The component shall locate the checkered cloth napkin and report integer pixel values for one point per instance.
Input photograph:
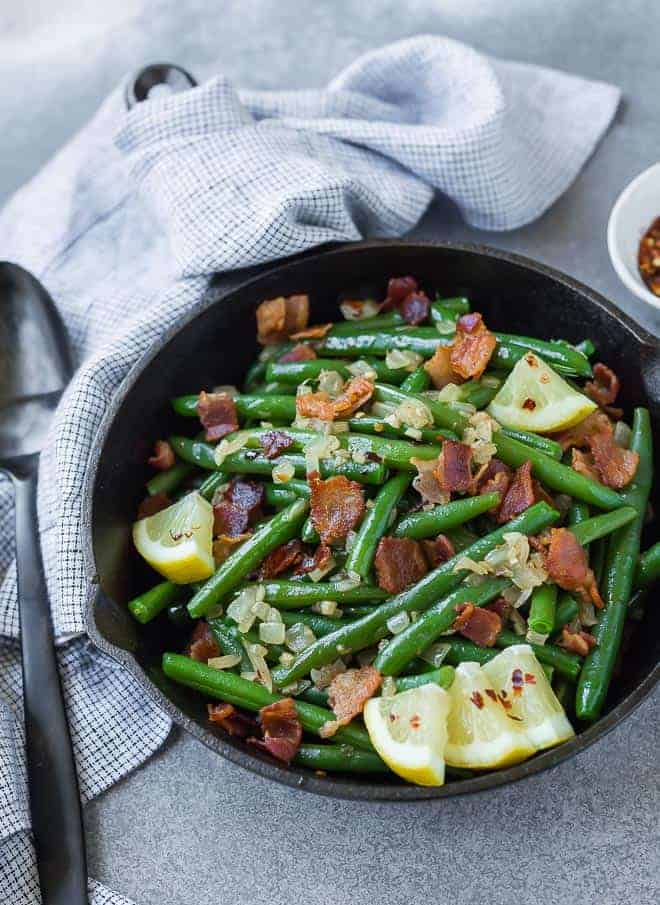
(127, 223)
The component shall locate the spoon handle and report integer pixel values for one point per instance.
(52, 782)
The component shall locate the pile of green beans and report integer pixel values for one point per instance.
(347, 614)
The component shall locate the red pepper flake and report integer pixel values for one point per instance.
(530, 678)
(529, 404)
(518, 719)
(415, 721)
(517, 681)
(492, 694)
(477, 699)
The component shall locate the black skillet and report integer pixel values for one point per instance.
(216, 344)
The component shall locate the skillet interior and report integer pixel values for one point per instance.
(216, 346)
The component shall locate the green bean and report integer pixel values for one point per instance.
(296, 372)
(416, 382)
(601, 525)
(309, 534)
(544, 444)
(417, 636)
(542, 609)
(169, 480)
(567, 610)
(147, 606)
(461, 537)
(255, 375)
(553, 474)
(562, 358)
(196, 452)
(375, 524)
(443, 676)
(377, 322)
(622, 555)
(259, 405)
(578, 513)
(339, 759)
(290, 595)
(476, 393)
(565, 663)
(435, 585)
(371, 425)
(229, 641)
(227, 686)
(648, 567)
(209, 486)
(597, 554)
(320, 625)
(275, 388)
(279, 495)
(442, 518)
(352, 612)
(281, 528)
(457, 305)
(586, 347)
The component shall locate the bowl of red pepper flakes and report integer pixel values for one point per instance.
(633, 236)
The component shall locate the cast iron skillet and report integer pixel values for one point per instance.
(216, 344)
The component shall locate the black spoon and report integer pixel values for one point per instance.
(35, 366)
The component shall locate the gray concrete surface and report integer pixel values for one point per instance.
(189, 827)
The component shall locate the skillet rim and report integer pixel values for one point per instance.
(252, 760)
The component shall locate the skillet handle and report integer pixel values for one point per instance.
(174, 77)
(53, 785)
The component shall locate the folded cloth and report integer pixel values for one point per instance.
(126, 225)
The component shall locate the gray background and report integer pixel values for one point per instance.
(189, 827)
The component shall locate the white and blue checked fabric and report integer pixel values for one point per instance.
(125, 227)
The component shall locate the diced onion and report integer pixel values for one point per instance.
(272, 632)
(361, 368)
(445, 327)
(435, 653)
(224, 662)
(388, 688)
(298, 637)
(323, 677)
(318, 573)
(451, 392)
(412, 412)
(256, 653)
(535, 637)
(403, 358)
(227, 389)
(326, 607)
(413, 432)
(397, 623)
(283, 472)
(622, 434)
(331, 382)
(319, 449)
(230, 445)
(359, 310)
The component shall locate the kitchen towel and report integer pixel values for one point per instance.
(126, 225)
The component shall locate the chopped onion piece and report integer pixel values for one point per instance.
(359, 310)
(397, 623)
(361, 368)
(445, 327)
(256, 654)
(227, 389)
(451, 392)
(283, 472)
(388, 688)
(296, 688)
(331, 382)
(298, 637)
(403, 358)
(413, 432)
(435, 653)
(471, 565)
(322, 448)
(287, 658)
(230, 445)
(323, 677)
(272, 632)
(261, 610)
(622, 434)
(320, 572)
(412, 412)
(224, 662)
(479, 437)
(535, 637)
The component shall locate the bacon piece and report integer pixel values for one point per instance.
(399, 563)
(519, 496)
(438, 550)
(238, 507)
(605, 386)
(567, 565)
(217, 412)
(615, 465)
(500, 606)
(439, 368)
(274, 443)
(580, 434)
(337, 505)
(315, 405)
(426, 482)
(577, 642)
(349, 691)
(355, 394)
(318, 331)
(494, 477)
(541, 495)
(163, 457)
(415, 308)
(453, 470)
(152, 504)
(320, 559)
(473, 346)
(398, 288)
(282, 730)
(301, 352)
(202, 645)
(281, 559)
(233, 721)
(479, 625)
(224, 545)
(583, 463)
(280, 318)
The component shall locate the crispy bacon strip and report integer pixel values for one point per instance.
(315, 405)
(318, 331)
(274, 443)
(616, 466)
(349, 691)
(202, 645)
(233, 721)
(577, 642)
(500, 606)
(453, 470)
(152, 504)
(479, 625)
(301, 352)
(280, 318)
(282, 730)
(567, 565)
(438, 550)
(415, 308)
(238, 507)
(336, 507)
(494, 477)
(473, 346)
(439, 368)
(399, 563)
(583, 463)
(605, 386)
(426, 482)
(163, 457)
(355, 394)
(580, 434)
(217, 412)
(519, 496)
(281, 559)
(320, 559)
(398, 288)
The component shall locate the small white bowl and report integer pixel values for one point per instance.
(635, 209)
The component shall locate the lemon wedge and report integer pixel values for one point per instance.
(177, 541)
(481, 733)
(516, 672)
(409, 731)
(535, 398)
